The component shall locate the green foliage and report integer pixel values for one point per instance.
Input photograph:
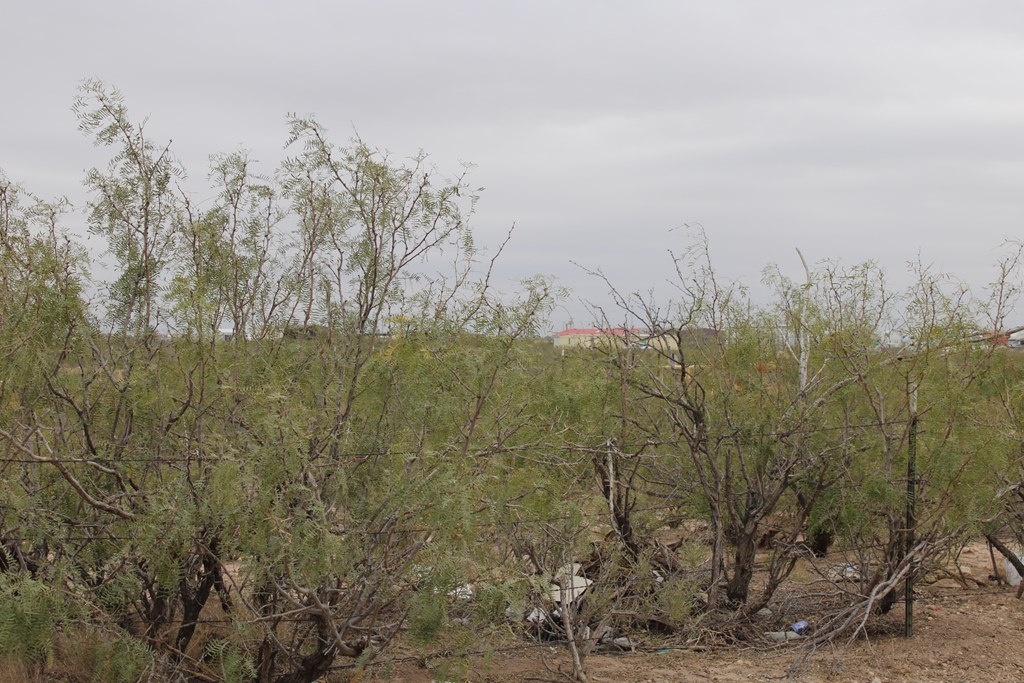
(229, 661)
(92, 659)
(492, 600)
(286, 410)
(29, 613)
(677, 600)
(135, 205)
(428, 615)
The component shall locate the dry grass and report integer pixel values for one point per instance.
(16, 671)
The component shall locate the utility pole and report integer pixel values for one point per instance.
(908, 623)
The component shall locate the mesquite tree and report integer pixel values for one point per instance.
(294, 467)
(771, 423)
(278, 436)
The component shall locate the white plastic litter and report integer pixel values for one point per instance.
(463, 592)
(571, 569)
(845, 572)
(624, 643)
(1012, 577)
(782, 636)
(568, 584)
(572, 587)
(537, 616)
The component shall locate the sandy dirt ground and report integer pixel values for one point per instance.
(961, 634)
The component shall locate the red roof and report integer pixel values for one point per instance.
(596, 331)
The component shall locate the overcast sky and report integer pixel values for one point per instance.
(867, 130)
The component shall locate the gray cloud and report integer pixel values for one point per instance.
(868, 130)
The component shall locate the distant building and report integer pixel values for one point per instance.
(666, 342)
(226, 332)
(588, 337)
(697, 336)
(1013, 338)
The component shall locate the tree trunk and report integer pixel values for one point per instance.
(820, 541)
(743, 569)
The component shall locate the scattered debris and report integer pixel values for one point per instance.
(624, 643)
(462, 592)
(799, 627)
(608, 640)
(536, 616)
(568, 584)
(782, 636)
(569, 587)
(845, 572)
(571, 569)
